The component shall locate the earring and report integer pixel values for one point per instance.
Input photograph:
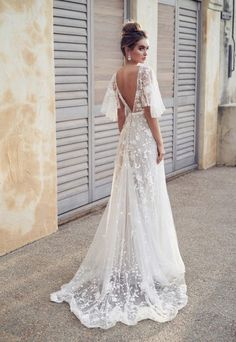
(129, 58)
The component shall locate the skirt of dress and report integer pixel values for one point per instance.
(133, 269)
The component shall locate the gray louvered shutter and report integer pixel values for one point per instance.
(165, 76)
(70, 52)
(107, 58)
(177, 75)
(187, 83)
(106, 139)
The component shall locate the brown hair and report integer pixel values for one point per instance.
(131, 34)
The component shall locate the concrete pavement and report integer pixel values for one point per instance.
(204, 209)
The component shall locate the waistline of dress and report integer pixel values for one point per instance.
(135, 113)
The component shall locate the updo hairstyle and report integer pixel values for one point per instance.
(131, 34)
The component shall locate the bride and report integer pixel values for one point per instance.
(133, 269)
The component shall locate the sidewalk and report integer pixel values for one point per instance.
(204, 209)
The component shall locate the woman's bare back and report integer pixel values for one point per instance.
(126, 80)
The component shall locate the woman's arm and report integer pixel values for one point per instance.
(121, 116)
(156, 132)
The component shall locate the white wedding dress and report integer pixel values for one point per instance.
(133, 269)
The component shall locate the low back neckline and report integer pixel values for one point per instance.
(120, 95)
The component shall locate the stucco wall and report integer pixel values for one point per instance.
(145, 12)
(27, 123)
(226, 151)
(210, 83)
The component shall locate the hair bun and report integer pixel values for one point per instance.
(131, 33)
(130, 28)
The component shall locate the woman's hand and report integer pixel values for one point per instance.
(160, 152)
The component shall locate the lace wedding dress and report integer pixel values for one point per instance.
(133, 269)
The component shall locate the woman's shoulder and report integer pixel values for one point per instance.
(146, 74)
(146, 69)
(145, 66)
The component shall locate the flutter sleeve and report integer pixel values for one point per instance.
(150, 94)
(111, 101)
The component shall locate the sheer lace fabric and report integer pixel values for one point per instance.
(133, 269)
(147, 94)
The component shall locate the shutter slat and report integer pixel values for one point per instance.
(71, 124)
(72, 177)
(71, 95)
(72, 169)
(71, 79)
(73, 184)
(72, 161)
(79, 32)
(71, 22)
(71, 154)
(72, 192)
(105, 147)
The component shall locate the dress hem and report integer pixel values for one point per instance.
(148, 312)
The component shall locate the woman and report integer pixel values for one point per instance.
(133, 269)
